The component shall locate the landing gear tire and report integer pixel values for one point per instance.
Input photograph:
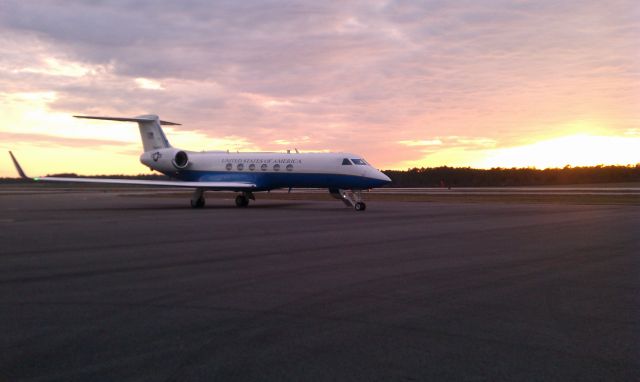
(360, 206)
(242, 201)
(199, 203)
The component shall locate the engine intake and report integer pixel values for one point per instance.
(168, 160)
(181, 160)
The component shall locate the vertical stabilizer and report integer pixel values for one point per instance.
(151, 133)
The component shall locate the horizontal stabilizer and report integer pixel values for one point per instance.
(137, 119)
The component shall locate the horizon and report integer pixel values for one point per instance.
(480, 85)
(565, 168)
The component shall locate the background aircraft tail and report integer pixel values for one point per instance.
(153, 137)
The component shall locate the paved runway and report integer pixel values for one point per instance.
(101, 287)
(633, 190)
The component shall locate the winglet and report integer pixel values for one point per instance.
(18, 168)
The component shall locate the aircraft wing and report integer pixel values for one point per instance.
(222, 186)
(160, 183)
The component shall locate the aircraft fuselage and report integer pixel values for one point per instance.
(267, 170)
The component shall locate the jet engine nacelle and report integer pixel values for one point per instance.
(166, 160)
(181, 159)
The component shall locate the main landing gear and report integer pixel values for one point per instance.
(242, 200)
(352, 198)
(197, 200)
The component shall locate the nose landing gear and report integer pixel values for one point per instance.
(360, 206)
(351, 198)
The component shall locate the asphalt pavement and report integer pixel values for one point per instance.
(96, 286)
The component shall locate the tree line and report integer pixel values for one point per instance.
(504, 177)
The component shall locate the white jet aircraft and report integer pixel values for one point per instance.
(344, 175)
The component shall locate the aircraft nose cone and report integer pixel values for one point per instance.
(381, 179)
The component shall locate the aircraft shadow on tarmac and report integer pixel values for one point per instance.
(285, 206)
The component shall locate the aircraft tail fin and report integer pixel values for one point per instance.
(18, 167)
(151, 133)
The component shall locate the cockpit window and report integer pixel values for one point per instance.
(346, 162)
(360, 162)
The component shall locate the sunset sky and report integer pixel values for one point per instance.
(403, 83)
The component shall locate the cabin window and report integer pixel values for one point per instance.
(240, 166)
(276, 167)
(289, 167)
(346, 162)
(229, 166)
(263, 167)
(360, 162)
(252, 167)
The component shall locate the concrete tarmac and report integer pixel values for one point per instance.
(95, 286)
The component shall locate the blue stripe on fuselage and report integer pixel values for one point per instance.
(272, 180)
